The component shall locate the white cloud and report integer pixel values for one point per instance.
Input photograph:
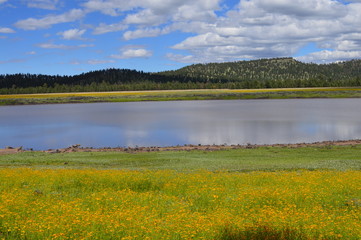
(147, 32)
(183, 58)
(132, 53)
(31, 53)
(6, 30)
(145, 17)
(109, 7)
(195, 13)
(72, 34)
(327, 56)
(261, 28)
(63, 46)
(255, 29)
(303, 8)
(203, 40)
(104, 28)
(48, 21)
(147, 13)
(252, 29)
(43, 4)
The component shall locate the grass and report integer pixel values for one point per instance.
(168, 95)
(244, 160)
(261, 193)
(166, 204)
(261, 233)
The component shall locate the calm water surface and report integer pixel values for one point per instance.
(177, 123)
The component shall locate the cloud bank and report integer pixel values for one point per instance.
(252, 29)
(318, 31)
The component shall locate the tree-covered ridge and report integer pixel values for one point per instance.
(263, 73)
(271, 69)
(109, 76)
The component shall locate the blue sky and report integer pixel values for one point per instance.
(72, 37)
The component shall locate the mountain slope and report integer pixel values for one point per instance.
(263, 73)
(270, 69)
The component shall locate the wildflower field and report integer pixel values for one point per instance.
(94, 203)
(115, 204)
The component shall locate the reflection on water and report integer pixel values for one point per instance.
(179, 123)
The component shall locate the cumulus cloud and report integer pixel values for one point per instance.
(327, 56)
(6, 30)
(145, 17)
(43, 4)
(106, 28)
(254, 29)
(251, 29)
(48, 21)
(72, 34)
(109, 7)
(260, 28)
(132, 53)
(155, 8)
(183, 58)
(147, 14)
(147, 32)
(303, 8)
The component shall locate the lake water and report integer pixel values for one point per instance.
(44, 127)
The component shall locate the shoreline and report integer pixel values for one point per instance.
(176, 95)
(189, 147)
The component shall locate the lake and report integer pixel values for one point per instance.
(173, 123)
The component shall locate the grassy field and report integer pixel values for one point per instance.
(242, 160)
(262, 193)
(165, 204)
(168, 95)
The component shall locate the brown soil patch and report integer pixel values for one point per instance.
(10, 150)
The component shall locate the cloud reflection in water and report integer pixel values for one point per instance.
(179, 123)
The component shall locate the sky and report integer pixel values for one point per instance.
(71, 37)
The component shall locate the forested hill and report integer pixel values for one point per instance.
(264, 73)
(270, 69)
(107, 76)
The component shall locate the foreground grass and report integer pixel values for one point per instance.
(261, 193)
(168, 95)
(258, 159)
(166, 204)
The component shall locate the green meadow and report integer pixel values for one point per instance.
(261, 193)
(176, 95)
(242, 160)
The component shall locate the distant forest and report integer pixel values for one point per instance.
(263, 73)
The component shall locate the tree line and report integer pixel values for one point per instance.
(263, 73)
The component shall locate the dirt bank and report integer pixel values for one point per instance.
(78, 148)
